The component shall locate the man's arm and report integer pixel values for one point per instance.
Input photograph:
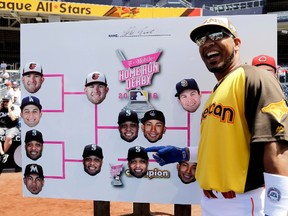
(276, 178)
(276, 158)
(13, 111)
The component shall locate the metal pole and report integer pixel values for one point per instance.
(101, 208)
(141, 209)
(182, 210)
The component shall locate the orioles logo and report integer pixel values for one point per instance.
(95, 76)
(32, 66)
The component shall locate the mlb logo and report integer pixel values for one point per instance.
(138, 95)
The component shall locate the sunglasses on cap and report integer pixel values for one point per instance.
(214, 36)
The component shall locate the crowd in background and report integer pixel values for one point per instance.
(10, 120)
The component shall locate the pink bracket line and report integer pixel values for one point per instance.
(63, 158)
(62, 92)
(97, 127)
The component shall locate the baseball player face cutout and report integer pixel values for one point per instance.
(129, 131)
(96, 92)
(186, 171)
(190, 100)
(32, 81)
(138, 167)
(92, 165)
(33, 183)
(153, 130)
(34, 149)
(31, 115)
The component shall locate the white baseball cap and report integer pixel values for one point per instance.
(213, 23)
(95, 77)
(32, 67)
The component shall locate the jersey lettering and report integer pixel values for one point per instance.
(224, 113)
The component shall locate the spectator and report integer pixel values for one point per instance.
(3, 66)
(17, 93)
(10, 90)
(9, 115)
(3, 156)
(4, 76)
(266, 62)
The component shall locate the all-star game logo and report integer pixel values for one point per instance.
(274, 194)
(138, 71)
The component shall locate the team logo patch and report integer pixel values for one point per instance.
(278, 109)
(95, 76)
(152, 113)
(274, 194)
(32, 66)
(184, 83)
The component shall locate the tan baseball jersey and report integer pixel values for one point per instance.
(245, 109)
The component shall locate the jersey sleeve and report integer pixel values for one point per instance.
(265, 106)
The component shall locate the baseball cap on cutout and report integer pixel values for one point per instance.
(212, 23)
(32, 67)
(30, 100)
(95, 77)
(186, 84)
(264, 60)
(137, 152)
(34, 169)
(127, 115)
(33, 135)
(92, 149)
(153, 114)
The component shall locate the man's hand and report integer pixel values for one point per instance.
(168, 154)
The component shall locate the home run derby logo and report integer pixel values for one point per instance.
(138, 71)
(274, 194)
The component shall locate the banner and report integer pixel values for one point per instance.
(78, 10)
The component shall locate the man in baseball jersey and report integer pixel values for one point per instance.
(128, 125)
(9, 124)
(34, 178)
(92, 159)
(32, 77)
(188, 94)
(138, 161)
(244, 132)
(34, 144)
(96, 87)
